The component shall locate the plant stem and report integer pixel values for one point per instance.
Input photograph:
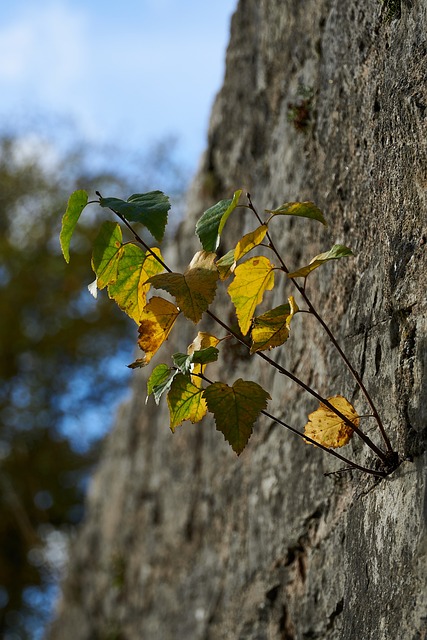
(331, 336)
(278, 367)
(354, 465)
(374, 472)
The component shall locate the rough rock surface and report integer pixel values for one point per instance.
(182, 539)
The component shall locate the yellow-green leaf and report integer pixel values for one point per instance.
(160, 381)
(249, 241)
(271, 329)
(235, 409)
(326, 428)
(251, 280)
(107, 249)
(185, 401)
(336, 252)
(226, 265)
(76, 204)
(193, 290)
(157, 320)
(130, 287)
(302, 209)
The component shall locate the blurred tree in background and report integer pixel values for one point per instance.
(57, 392)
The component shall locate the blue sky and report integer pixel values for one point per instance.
(130, 71)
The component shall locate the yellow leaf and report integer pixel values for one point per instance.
(157, 320)
(130, 287)
(249, 241)
(202, 341)
(193, 290)
(252, 279)
(271, 329)
(328, 429)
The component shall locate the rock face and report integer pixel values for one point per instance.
(183, 540)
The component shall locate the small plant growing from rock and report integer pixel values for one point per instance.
(131, 269)
(300, 112)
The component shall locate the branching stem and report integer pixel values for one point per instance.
(383, 456)
(334, 341)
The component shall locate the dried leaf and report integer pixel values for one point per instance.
(157, 320)
(271, 329)
(328, 429)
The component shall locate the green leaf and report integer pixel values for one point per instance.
(235, 409)
(210, 225)
(302, 209)
(251, 280)
(106, 252)
(337, 251)
(130, 288)
(150, 209)
(226, 265)
(193, 290)
(160, 381)
(76, 204)
(185, 401)
(184, 362)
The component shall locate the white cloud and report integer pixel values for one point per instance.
(43, 50)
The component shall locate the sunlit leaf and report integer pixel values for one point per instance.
(337, 251)
(193, 290)
(302, 209)
(185, 401)
(157, 320)
(160, 381)
(130, 287)
(229, 211)
(249, 241)
(226, 265)
(209, 227)
(235, 409)
(251, 280)
(326, 428)
(271, 329)
(107, 249)
(150, 209)
(185, 362)
(76, 204)
(201, 343)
